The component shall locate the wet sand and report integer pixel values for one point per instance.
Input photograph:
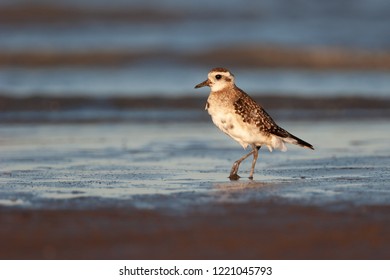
(160, 191)
(265, 230)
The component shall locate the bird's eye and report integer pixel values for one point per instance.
(218, 77)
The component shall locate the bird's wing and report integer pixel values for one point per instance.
(253, 113)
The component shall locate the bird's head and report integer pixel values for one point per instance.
(218, 79)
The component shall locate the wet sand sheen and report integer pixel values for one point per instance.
(161, 191)
(118, 161)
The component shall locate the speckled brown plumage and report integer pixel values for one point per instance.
(235, 113)
(251, 112)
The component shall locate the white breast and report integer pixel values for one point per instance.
(244, 133)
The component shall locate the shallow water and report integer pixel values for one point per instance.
(187, 28)
(174, 166)
(188, 25)
(173, 80)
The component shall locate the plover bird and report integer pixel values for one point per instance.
(239, 116)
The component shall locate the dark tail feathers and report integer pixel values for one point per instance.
(300, 142)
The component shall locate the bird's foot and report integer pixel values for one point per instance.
(250, 177)
(234, 177)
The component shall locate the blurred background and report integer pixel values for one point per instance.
(98, 111)
(103, 49)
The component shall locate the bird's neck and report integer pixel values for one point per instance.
(222, 88)
(226, 95)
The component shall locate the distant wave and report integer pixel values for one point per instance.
(25, 14)
(157, 109)
(258, 56)
(44, 103)
(44, 13)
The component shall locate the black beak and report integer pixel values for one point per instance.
(203, 84)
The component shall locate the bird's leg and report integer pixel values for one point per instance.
(255, 155)
(233, 172)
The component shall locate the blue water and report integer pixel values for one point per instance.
(198, 26)
(204, 24)
(179, 80)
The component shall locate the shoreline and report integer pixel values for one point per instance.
(88, 110)
(136, 191)
(66, 102)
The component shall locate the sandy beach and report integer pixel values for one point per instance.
(106, 151)
(78, 191)
(227, 231)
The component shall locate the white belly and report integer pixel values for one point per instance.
(225, 118)
(243, 133)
